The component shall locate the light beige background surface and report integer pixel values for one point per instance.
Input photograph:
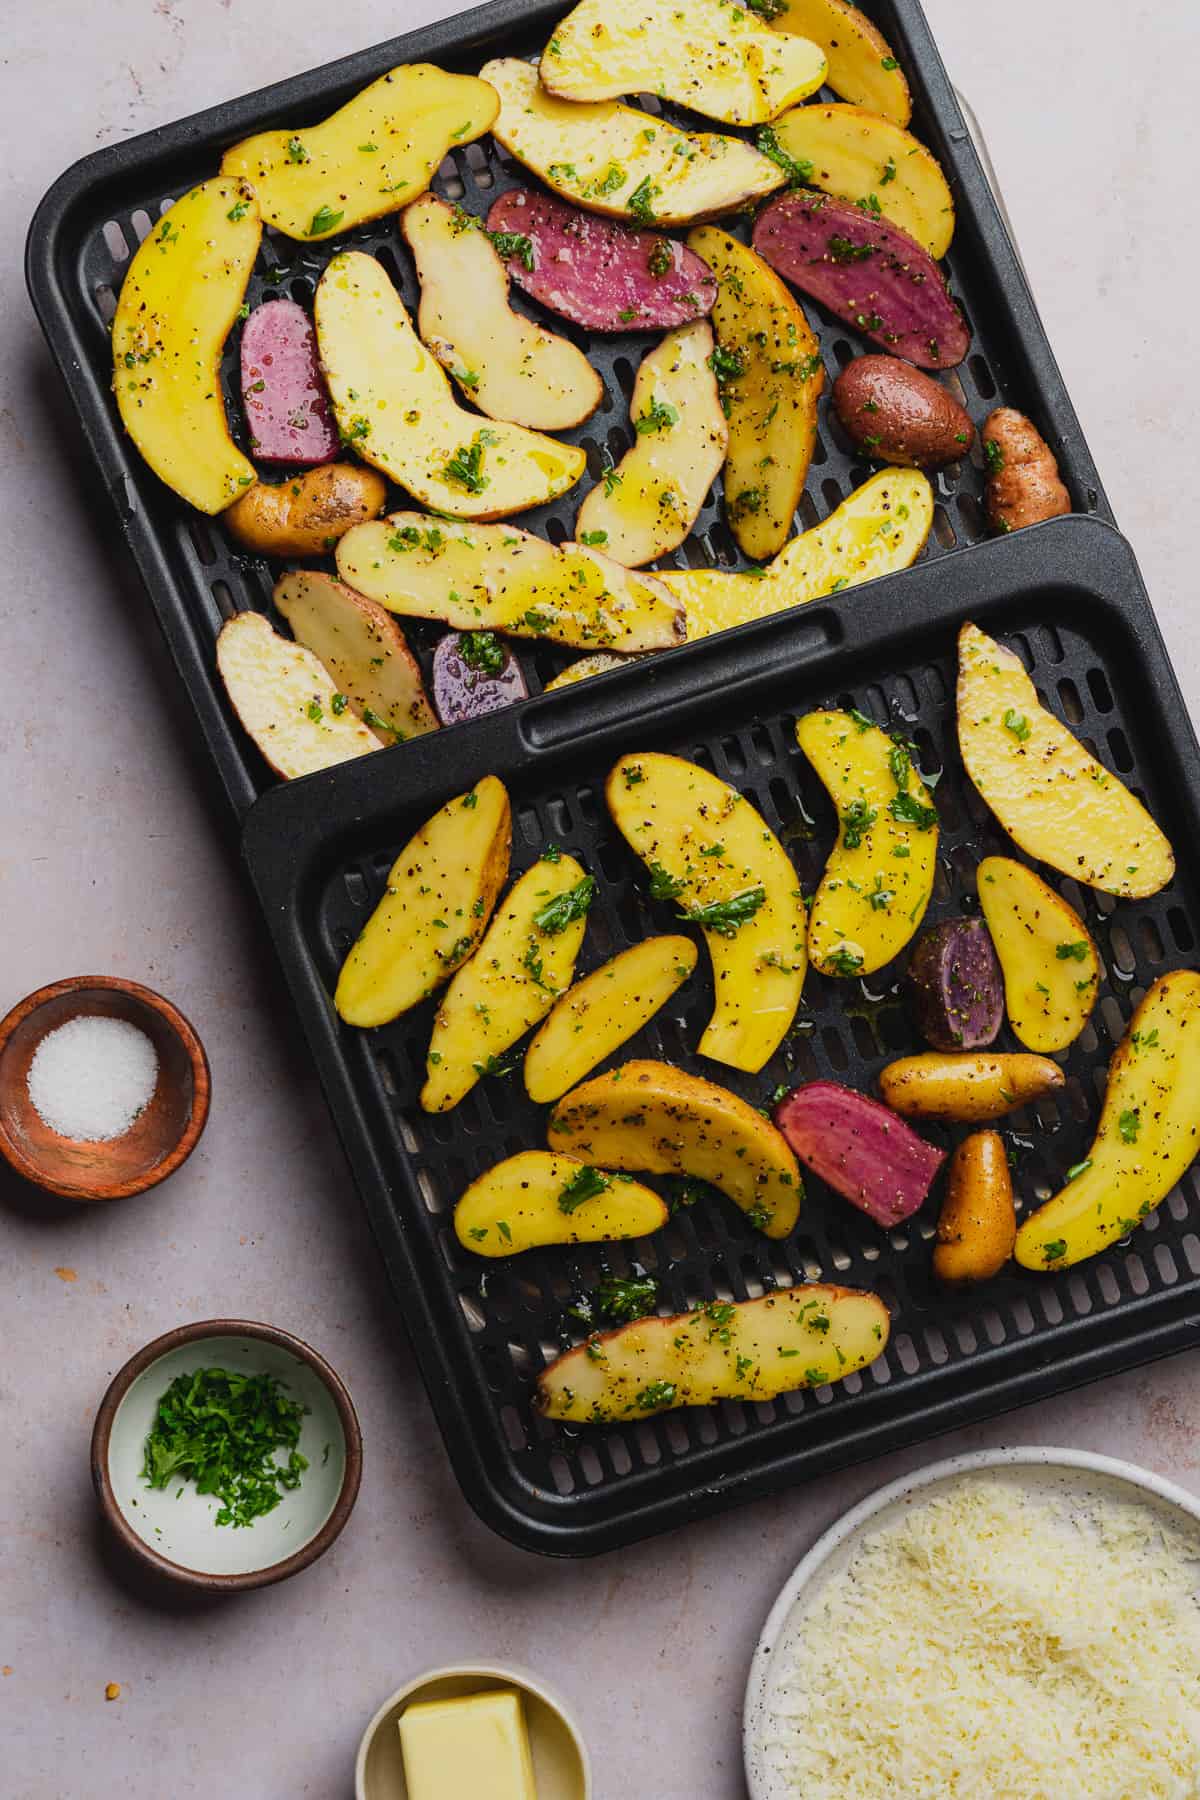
(111, 861)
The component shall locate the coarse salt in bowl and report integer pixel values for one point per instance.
(91, 1077)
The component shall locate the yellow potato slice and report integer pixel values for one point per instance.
(497, 578)
(708, 849)
(525, 961)
(439, 897)
(879, 877)
(771, 377)
(286, 699)
(364, 650)
(718, 59)
(511, 368)
(648, 504)
(181, 294)
(371, 157)
(969, 1085)
(601, 664)
(603, 1011)
(538, 1198)
(1147, 1138)
(648, 1115)
(1051, 966)
(726, 1350)
(882, 527)
(394, 404)
(862, 66)
(614, 159)
(1050, 794)
(856, 155)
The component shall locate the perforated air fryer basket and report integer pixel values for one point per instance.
(84, 231)
(1068, 598)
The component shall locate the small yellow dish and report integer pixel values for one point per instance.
(561, 1766)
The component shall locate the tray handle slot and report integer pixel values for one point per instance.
(650, 691)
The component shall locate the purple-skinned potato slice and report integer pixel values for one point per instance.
(283, 393)
(955, 986)
(866, 271)
(474, 672)
(864, 1151)
(596, 271)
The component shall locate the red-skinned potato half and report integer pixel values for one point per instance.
(861, 1149)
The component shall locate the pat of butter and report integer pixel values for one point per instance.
(473, 1748)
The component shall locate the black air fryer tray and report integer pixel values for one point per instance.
(81, 239)
(1067, 596)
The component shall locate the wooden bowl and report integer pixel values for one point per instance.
(163, 1135)
(173, 1533)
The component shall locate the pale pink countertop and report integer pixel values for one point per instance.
(110, 861)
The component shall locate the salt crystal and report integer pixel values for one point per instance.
(90, 1078)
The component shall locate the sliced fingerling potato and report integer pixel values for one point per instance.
(307, 514)
(712, 852)
(1051, 965)
(862, 65)
(371, 157)
(440, 893)
(971, 1086)
(181, 294)
(510, 367)
(601, 664)
(526, 959)
(863, 1151)
(879, 877)
(650, 1116)
(283, 395)
(648, 504)
(498, 578)
(770, 378)
(1053, 798)
(616, 160)
(725, 1350)
(977, 1226)
(286, 699)
(720, 60)
(602, 1012)
(473, 674)
(363, 649)
(882, 527)
(1147, 1138)
(538, 1198)
(856, 155)
(955, 986)
(393, 402)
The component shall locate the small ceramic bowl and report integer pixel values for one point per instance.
(171, 1530)
(560, 1758)
(163, 1135)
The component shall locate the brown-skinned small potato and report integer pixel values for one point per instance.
(1023, 485)
(969, 1086)
(900, 415)
(978, 1223)
(307, 515)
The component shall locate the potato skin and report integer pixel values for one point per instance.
(899, 415)
(307, 515)
(1023, 485)
(978, 1224)
(973, 1087)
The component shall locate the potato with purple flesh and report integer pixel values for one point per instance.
(596, 272)
(473, 674)
(967, 1086)
(863, 1151)
(977, 1227)
(286, 406)
(955, 986)
(869, 274)
(899, 415)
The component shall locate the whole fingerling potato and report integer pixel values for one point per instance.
(899, 415)
(1023, 485)
(969, 1087)
(306, 515)
(978, 1223)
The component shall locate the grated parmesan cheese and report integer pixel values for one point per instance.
(998, 1643)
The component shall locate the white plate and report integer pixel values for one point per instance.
(1035, 1469)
